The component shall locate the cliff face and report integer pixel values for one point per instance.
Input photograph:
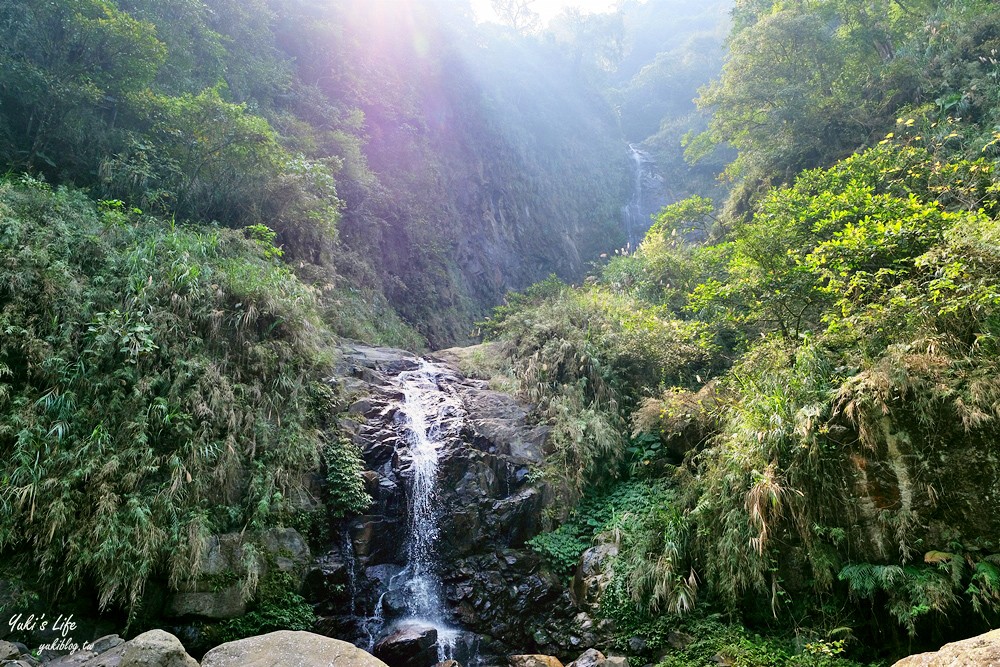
(495, 165)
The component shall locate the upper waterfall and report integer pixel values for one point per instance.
(632, 213)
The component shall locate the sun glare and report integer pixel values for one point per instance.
(547, 9)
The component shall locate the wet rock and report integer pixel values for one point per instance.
(363, 407)
(156, 648)
(383, 574)
(327, 575)
(409, 645)
(376, 539)
(534, 660)
(371, 480)
(516, 519)
(448, 663)
(981, 651)
(461, 533)
(375, 453)
(489, 506)
(589, 658)
(301, 649)
(382, 359)
(394, 603)
(8, 651)
(593, 574)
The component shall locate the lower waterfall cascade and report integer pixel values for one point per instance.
(422, 413)
(438, 567)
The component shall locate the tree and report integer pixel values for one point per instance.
(518, 14)
(595, 42)
(808, 83)
(65, 68)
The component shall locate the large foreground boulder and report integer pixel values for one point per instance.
(981, 651)
(289, 649)
(156, 648)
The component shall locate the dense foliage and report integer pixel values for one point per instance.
(807, 83)
(830, 444)
(782, 406)
(375, 142)
(158, 385)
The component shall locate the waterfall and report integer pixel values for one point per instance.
(635, 224)
(423, 416)
(351, 563)
(422, 407)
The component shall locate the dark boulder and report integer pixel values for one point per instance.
(409, 645)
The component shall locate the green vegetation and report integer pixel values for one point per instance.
(598, 514)
(275, 606)
(264, 113)
(746, 649)
(581, 355)
(158, 384)
(820, 393)
(847, 329)
(213, 192)
(782, 406)
(807, 83)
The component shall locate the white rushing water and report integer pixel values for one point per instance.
(635, 225)
(423, 414)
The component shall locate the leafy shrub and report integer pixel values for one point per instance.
(276, 606)
(584, 355)
(345, 489)
(606, 511)
(934, 587)
(700, 640)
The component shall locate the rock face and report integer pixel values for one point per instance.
(981, 651)
(284, 549)
(289, 649)
(489, 506)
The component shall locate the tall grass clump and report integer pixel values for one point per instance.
(585, 356)
(158, 384)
